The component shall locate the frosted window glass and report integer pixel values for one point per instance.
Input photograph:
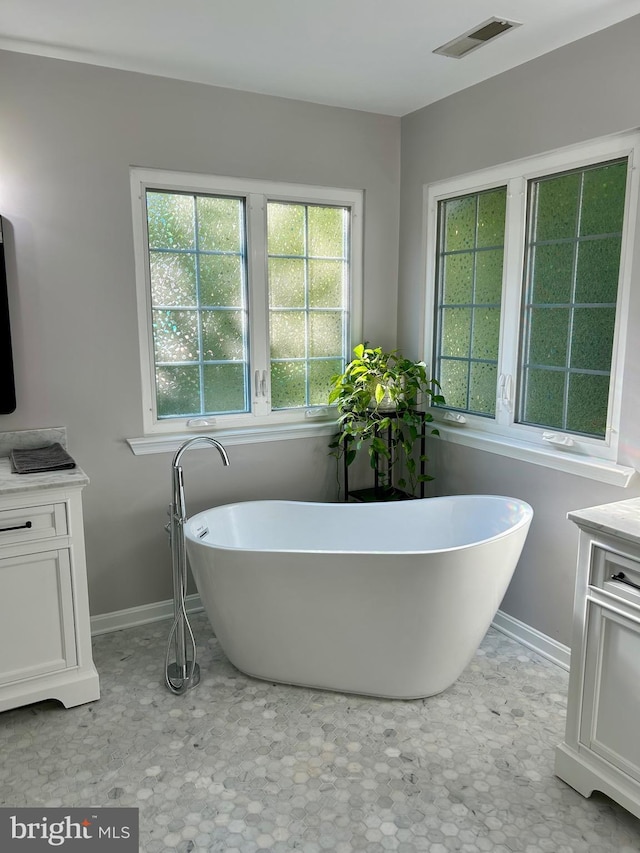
(489, 266)
(482, 388)
(170, 220)
(326, 232)
(573, 265)
(454, 378)
(458, 279)
(173, 278)
(544, 398)
(320, 373)
(486, 333)
(175, 335)
(587, 403)
(491, 217)
(220, 278)
(177, 390)
(460, 224)
(456, 331)
(286, 229)
(217, 346)
(308, 268)
(603, 199)
(288, 384)
(224, 387)
(197, 262)
(326, 283)
(222, 335)
(470, 271)
(219, 224)
(549, 336)
(592, 338)
(325, 333)
(557, 207)
(287, 334)
(287, 283)
(598, 269)
(552, 272)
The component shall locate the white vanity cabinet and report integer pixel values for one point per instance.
(601, 750)
(45, 638)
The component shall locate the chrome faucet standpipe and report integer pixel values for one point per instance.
(184, 673)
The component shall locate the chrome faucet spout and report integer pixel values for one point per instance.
(182, 674)
(178, 507)
(200, 438)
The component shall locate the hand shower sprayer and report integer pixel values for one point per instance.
(184, 673)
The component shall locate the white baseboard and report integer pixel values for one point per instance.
(132, 616)
(533, 639)
(514, 628)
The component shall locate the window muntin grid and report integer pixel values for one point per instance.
(197, 272)
(572, 267)
(308, 249)
(469, 272)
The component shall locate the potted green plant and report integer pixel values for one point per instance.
(382, 399)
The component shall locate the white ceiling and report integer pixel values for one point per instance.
(371, 55)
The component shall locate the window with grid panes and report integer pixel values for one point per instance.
(307, 247)
(470, 259)
(528, 271)
(572, 268)
(250, 297)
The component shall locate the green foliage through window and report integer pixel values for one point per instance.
(308, 256)
(197, 264)
(571, 282)
(469, 293)
(238, 327)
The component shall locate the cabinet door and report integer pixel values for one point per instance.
(37, 632)
(611, 696)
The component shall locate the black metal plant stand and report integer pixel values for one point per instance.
(380, 492)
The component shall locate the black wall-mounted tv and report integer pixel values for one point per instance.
(7, 382)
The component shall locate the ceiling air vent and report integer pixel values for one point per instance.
(475, 38)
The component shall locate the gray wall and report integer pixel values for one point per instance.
(582, 91)
(69, 134)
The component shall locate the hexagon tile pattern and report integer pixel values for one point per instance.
(243, 766)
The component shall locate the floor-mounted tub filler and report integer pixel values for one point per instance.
(184, 672)
(386, 599)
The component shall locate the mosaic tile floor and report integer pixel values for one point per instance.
(242, 766)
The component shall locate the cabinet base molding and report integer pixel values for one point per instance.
(587, 773)
(601, 750)
(45, 639)
(68, 687)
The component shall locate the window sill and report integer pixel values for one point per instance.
(170, 442)
(603, 470)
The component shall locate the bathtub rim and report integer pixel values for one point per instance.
(525, 520)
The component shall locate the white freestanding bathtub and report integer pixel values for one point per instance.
(387, 599)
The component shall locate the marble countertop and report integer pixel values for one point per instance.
(621, 518)
(11, 483)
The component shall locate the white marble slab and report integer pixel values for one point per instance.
(25, 439)
(621, 518)
(11, 483)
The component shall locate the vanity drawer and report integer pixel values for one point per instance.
(29, 524)
(616, 574)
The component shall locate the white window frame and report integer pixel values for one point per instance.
(261, 423)
(592, 457)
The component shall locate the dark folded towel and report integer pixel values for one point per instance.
(51, 457)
